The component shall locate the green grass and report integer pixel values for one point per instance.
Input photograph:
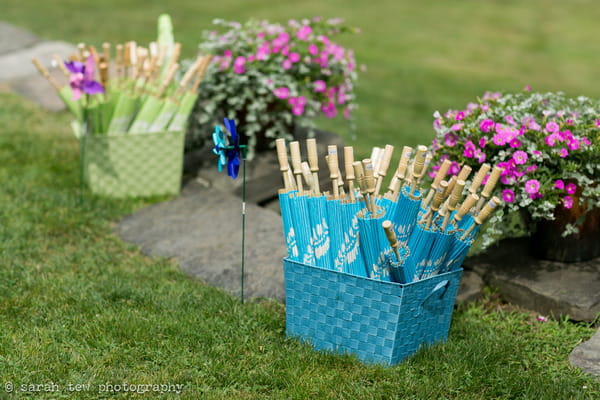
(419, 57)
(79, 306)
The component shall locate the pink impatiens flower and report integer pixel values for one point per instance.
(282, 92)
(559, 184)
(568, 202)
(304, 32)
(571, 188)
(294, 57)
(508, 196)
(486, 125)
(313, 50)
(563, 153)
(460, 116)
(532, 186)
(520, 157)
(552, 127)
(286, 64)
(319, 86)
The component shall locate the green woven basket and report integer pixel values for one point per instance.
(132, 165)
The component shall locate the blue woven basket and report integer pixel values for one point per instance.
(379, 322)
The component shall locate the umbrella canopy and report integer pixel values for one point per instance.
(288, 226)
(348, 257)
(123, 114)
(374, 244)
(407, 209)
(320, 240)
(149, 111)
(180, 118)
(165, 115)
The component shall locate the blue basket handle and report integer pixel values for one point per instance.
(440, 289)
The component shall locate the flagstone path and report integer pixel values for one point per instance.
(201, 228)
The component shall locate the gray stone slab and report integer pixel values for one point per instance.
(202, 230)
(587, 356)
(554, 288)
(471, 287)
(17, 64)
(38, 90)
(14, 38)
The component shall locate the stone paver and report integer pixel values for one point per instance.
(587, 355)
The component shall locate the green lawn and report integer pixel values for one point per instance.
(79, 306)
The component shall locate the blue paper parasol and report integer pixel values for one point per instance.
(374, 244)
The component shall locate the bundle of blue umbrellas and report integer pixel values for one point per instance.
(403, 234)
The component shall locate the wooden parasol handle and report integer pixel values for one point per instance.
(369, 181)
(386, 158)
(456, 194)
(391, 237)
(466, 206)
(284, 165)
(334, 173)
(464, 172)
(45, 73)
(201, 71)
(168, 78)
(441, 174)
(307, 175)
(491, 182)
(313, 162)
(487, 210)
(297, 163)
(485, 168)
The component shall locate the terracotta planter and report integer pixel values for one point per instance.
(549, 244)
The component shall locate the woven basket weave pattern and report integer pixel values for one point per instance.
(131, 165)
(381, 322)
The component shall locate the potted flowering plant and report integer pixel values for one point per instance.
(272, 78)
(548, 145)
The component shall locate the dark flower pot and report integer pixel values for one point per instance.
(549, 244)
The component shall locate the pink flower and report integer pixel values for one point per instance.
(450, 139)
(298, 109)
(527, 88)
(227, 53)
(568, 202)
(541, 318)
(301, 100)
(304, 32)
(347, 112)
(515, 143)
(532, 186)
(482, 142)
(480, 156)
(469, 150)
(573, 144)
(294, 57)
(508, 196)
(286, 64)
(454, 168)
(313, 50)
(571, 188)
(457, 127)
(597, 121)
(520, 157)
(531, 168)
(319, 86)
(559, 184)
(586, 141)
(329, 109)
(510, 120)
(563, 153)
(282, 92)
(460, 116)
(486, 125)
(552, 127)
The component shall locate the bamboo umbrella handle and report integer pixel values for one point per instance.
(487, 210)
(284, 165)
(313, 162)
(456, 193)
(383, 166)
(464, 173)
(201, 71)
(441, 174)
(485, 168)
(45, 73)
(307, 175)
(170, 74)
(466, 206)
(106, 52)
(297, 163)
(400, 174)
(359, 172)
(61, 65)
(119, 60)
(489, 187)
(332, 163)
(482, 216)
(439, 196)
(81, 49)
(418, 167)
(391, 237)
(187, 77)
(348, 161)
(491, 182)
(369, 181)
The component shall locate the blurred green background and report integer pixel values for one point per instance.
(420, 56)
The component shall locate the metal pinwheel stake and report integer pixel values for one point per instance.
(231, 154)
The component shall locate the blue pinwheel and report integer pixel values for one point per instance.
(228, 148)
